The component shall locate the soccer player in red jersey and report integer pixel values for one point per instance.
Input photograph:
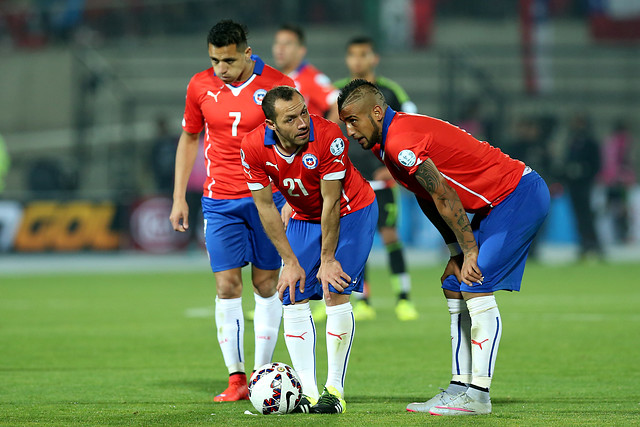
(452, 173)
(328, 238)
(224, 101)
(362, 59)
(289, 51)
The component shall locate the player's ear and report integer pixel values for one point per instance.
(248, 52)
(270, 124)
(378, 112)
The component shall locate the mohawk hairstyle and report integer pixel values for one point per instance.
(357, 89)
(228, 32)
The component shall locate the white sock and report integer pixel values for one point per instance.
(300, 337)
(340, 331)
(266, 325)
(230, 325)
(460, 341)
(486, 330)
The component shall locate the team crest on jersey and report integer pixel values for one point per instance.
(407, 158)
(309, 161)
(258, 96)
(337, 147)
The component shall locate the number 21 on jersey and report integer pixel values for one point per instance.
(291, 183)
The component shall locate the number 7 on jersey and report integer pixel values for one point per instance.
(234, 127)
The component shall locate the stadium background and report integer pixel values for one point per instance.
(95, 330)
(85, 84)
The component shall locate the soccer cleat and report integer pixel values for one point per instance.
(304, 406)
(441, 399)
(363, 311)
(237, 389)
(330, 402)
(405, 310)
(462, 404)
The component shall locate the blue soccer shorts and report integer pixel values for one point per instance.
(354, 244)
(234, 235)
(505, 235)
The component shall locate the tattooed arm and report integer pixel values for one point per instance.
(452, 212)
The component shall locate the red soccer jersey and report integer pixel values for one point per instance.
(482, 175)
(319, 94)
(227, 113)
(298, 176)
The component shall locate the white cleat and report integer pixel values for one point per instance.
(441, 399)
(462, 404)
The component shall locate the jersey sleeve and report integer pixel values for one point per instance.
(325, 94)
(334, 156)
(286, 81)
(193, 120)
(410, 153)
(252, 165)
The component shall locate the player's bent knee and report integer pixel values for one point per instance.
(227, 290)
(470, 295)
(264, 284)
(229, 283)
(337, 299)
(449, 294)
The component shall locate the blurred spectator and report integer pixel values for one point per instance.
(5, 162)
(580, 168)
(531, 146)
(471, 119)
(25, 22)
(49, 177)
(163, 157)
(617, 175)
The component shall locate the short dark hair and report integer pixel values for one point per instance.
(228, 32)
(285, 93)
(295, 29)
(356, 89)
(362, 40)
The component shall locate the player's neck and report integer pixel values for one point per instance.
(288, 70)
(288, 149)
(285, 148)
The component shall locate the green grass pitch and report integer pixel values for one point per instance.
(140, 349)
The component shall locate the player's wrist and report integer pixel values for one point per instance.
(179, 196)
(470, 252)
(325, 258)
(290, 261)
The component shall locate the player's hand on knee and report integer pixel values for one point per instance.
(179, 216)
(285, 214)
(453, 268)
(470, 271)
(290, 276)
(331, 273)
